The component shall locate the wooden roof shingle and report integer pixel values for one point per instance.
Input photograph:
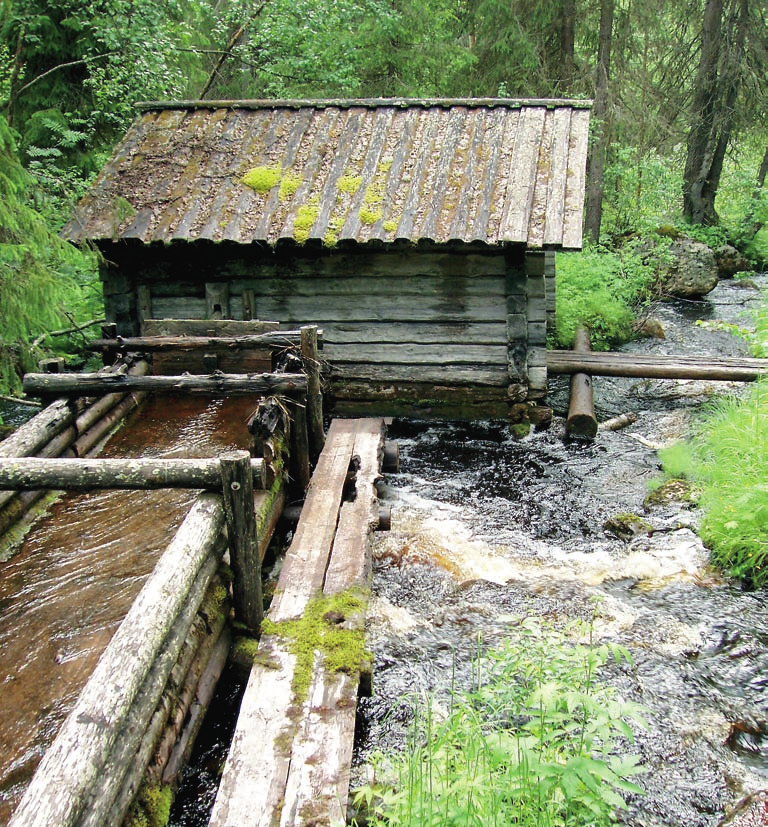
(488, 171)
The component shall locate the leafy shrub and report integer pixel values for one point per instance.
(598, 289)
(535, 744)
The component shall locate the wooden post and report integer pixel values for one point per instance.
(311, 359)
(581, 421)
(299, 455)
(237, 480)
(249, 305)
(143, 304)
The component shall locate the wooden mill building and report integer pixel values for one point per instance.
(419, 235)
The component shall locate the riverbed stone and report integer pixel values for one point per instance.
(690, 271)
(730, 261)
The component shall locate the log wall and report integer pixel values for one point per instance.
(402, 326)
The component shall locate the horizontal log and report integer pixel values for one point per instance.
(30, 437)
(656, 367)
(204, 327)
(437, 374)
(417, 353)
(30, 473)
(275, 339)
(215, 384)
(60, 788)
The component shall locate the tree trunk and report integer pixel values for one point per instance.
(594, 208)
(567, 26)
(712, 113)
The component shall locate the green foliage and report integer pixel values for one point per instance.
(598, 289)
(40, 274)
(537, 743)
(152, 807)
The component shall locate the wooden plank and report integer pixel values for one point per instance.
(317, 786)
(447, 375)
(192, 326)
(656, 367)
(253, 782)
(270, 339)
(170, 363)
(423, 332)
(558, 175)
(575, 184)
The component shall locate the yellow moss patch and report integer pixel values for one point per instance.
(305, 219)
(151, 807)
(262, 179)
(349, 184)
(289, 183)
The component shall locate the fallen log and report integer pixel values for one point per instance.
(581, 421)
(215, 384)
(60, 789)
(641, 366)
(30, 473)
(616, 423)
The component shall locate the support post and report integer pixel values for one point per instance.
(309, 354)
(237, 482)
(581, 421)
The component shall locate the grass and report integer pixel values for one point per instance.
(727, 457)
(536, 743)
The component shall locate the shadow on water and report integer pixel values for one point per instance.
(67, 588)
(488, 530)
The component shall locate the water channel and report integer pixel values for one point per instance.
(66, 589)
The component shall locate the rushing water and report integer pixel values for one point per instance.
(488, 530)
(65, 591)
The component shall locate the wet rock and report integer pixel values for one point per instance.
(672, 491)
(730, 261)
(627, 526)
(650, 329)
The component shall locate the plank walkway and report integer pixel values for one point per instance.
(289, 761)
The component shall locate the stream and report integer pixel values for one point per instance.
(488, 530)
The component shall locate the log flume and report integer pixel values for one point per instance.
(656, 367)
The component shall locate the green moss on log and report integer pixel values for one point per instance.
(324, 628)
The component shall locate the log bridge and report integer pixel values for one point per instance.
(134, 722)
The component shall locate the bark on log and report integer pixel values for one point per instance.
(581, 421)
(88, 441)
(30, 473)
(99, 409)
(79, 755)
(237, 480)
(274, 339)
(616, 423)
(74, 384)
(656, 367)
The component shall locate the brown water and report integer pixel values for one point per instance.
(65, 591)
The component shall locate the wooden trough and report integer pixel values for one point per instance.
(133, 721)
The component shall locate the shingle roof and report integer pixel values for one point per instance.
(490, 171)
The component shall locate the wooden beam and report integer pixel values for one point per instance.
(216, 384)
(31, 473)
(274, 339)
(311, 359)
(581, 420)
(656, 367)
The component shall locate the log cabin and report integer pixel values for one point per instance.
(418, 235)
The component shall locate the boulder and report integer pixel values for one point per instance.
(691, 272)
(730, 261)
